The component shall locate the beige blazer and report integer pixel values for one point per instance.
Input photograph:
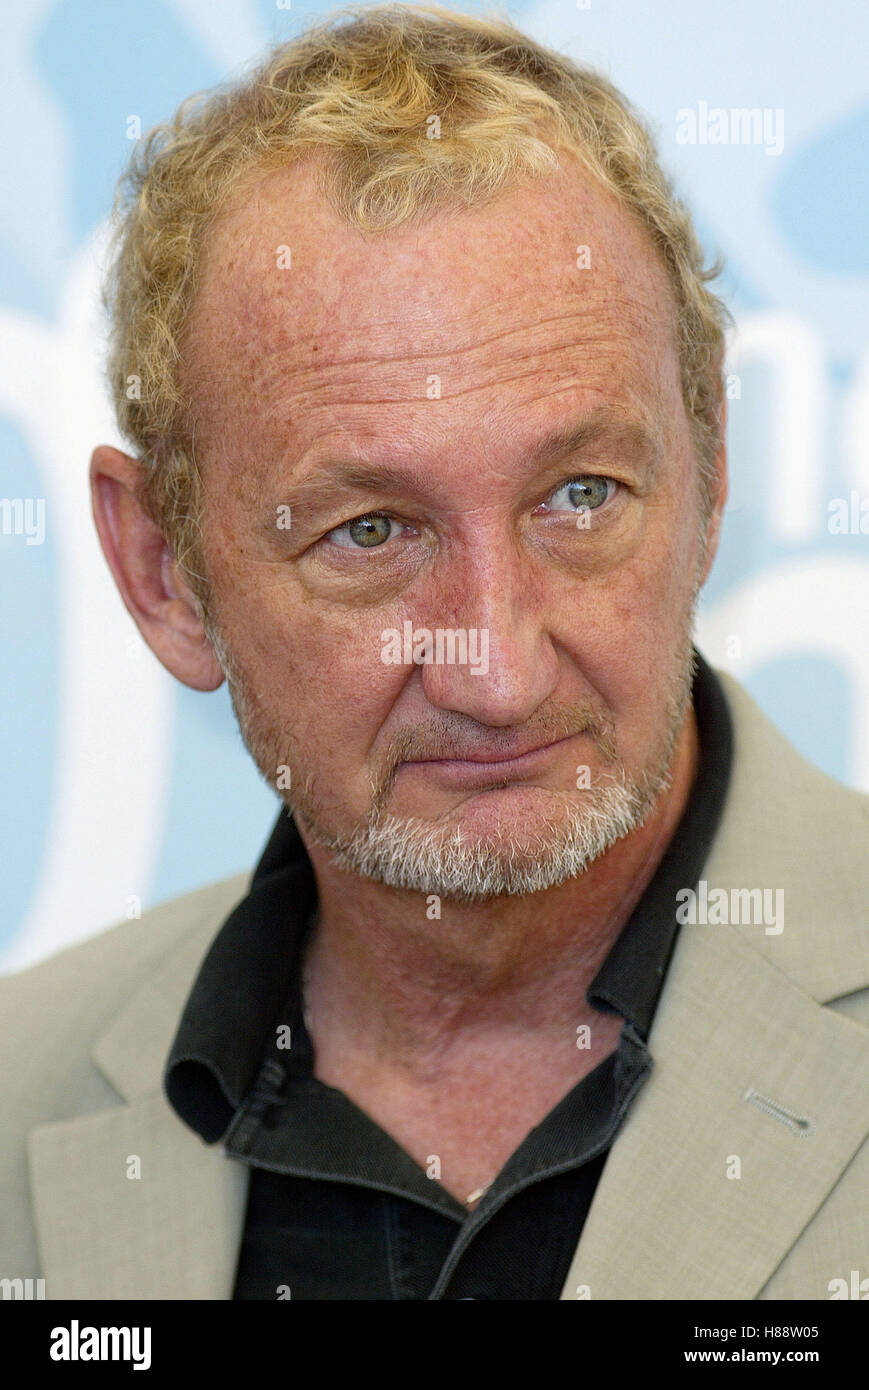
(741, 1172)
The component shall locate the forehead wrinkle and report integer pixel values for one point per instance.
(275, 389)
(273, 322)
(464, 339)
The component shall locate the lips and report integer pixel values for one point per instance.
(496, 758)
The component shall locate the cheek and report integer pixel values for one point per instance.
(319, 674)
(626, 631)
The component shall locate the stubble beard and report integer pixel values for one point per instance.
(436, 858)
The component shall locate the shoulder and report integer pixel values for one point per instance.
(766, 765)
(791, 829)
(85, 984)
(89, 1026)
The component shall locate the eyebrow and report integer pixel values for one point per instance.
(336, 473)
(602, 424)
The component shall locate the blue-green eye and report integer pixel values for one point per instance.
(363, 532)
(588, 490)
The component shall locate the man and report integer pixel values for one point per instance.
(553, 979)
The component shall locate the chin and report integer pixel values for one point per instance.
(506, 842)
(499, 815)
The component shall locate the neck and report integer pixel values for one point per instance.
(387, 982)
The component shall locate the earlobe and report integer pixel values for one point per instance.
(146, 574)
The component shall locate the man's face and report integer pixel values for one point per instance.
(402, 429)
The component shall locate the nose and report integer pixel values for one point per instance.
(496, 606)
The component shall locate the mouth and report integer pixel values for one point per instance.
(482, 765)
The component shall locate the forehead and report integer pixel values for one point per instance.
(305, 326)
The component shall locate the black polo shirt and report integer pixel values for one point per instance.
(336, 1208)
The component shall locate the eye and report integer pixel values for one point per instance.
(588, 490)
(364, 532)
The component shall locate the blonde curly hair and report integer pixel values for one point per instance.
(362, 85)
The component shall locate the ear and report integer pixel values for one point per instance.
(719, 490)
(149, 578)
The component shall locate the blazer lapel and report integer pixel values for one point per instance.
(705, 1190)
(172, 1232)
(129, 1202)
